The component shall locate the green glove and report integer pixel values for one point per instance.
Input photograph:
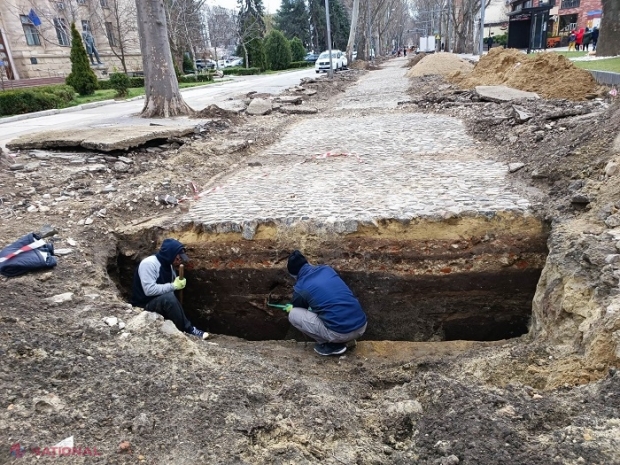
(178, 284)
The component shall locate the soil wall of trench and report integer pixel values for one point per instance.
(470, 278)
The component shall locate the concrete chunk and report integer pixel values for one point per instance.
(104, 139)
(503, 94)
(259, 107)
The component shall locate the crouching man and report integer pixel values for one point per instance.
(155, 281)
(324, 308)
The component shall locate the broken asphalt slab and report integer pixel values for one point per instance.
(105, 139)
(501, 94)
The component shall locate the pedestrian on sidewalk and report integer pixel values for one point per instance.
(595, 32)
(154, 284)
(587, 37)
(324, 308)
(579, 38)
(571, 40)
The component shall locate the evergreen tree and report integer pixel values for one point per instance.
(293, 20)
(82, 78)
(277, 50)
(256, 54)
(339, 20)
(298, 51)
(251, 30)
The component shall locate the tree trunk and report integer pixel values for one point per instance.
(353, 30)
(163, 98)
(609, 40)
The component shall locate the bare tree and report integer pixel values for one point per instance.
(353, 31)
(222, 27)
(118, 20)
(184, 27)
(163, 98)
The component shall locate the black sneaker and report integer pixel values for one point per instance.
(330, 348)
(199, 333)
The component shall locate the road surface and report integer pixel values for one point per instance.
(126, 112)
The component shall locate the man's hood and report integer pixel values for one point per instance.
(170, 248)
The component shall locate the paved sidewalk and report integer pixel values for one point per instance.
(364, 161)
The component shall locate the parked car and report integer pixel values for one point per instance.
(311, 57)
(234, 62)
(339, 61)
(204, 64)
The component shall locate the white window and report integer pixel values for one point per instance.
(30, 31)
(109, 31)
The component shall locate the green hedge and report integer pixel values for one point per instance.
(235, 70)
(300, 64)
(133, 82)
(139, 81)
(19, 101)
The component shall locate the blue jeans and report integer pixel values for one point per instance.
(168, 306)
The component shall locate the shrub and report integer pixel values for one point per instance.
(82, 78)
(133, 82)
(256, 54)
(298, 52)
(240, 71)
(206, 77)
(188, 64)
(15, 102)
(277, 50)
(300, 64)
(120, 82)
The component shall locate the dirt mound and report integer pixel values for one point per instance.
(213, 111)
(444, 64)
(414, 60)
(551, 75)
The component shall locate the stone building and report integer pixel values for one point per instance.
(35, 36)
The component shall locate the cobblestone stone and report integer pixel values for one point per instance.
(339, 170)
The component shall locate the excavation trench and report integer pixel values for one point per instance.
(461, 279)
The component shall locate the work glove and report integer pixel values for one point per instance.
(179, 283)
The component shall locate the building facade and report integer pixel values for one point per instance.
(577, 14)
(35, 36)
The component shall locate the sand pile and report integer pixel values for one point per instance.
(550, 75)
(444, 64)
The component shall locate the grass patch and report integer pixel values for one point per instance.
(569, 55)
(613, 65)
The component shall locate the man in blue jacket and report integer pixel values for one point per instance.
(155, 281)
(324, 308)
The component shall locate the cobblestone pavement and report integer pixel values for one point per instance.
(363, 161)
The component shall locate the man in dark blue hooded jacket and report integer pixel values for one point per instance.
(154, 284)
(324, 308)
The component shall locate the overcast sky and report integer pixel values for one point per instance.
(271, 6)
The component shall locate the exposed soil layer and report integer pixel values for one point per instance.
(551, 75)
(413, 286)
